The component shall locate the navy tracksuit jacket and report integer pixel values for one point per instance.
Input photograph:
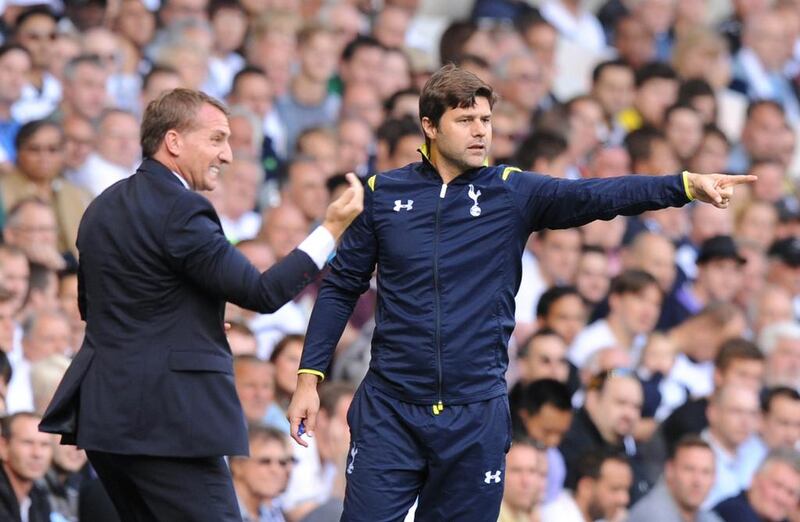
(449, 265)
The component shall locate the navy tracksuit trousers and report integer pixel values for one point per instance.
(454, 461)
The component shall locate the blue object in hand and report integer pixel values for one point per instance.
(301, 429)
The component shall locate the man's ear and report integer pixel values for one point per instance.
(428, 128)
(173, 142)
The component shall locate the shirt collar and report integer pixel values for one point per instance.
(183, 181)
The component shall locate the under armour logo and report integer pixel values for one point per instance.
(352, 459)
(492, 477)
(399, 205)
(474, 210)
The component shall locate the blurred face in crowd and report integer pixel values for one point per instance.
(284, 228)
(229, 26)
(616, 408)
(733, 416)
(558, 253)
(118, 140)
(524, 84)
(396, 74)
(775, 491)
(355, 137)
(265, 474)
(684, 131)
(135, 22)
(587, 126)
(781, 427)
(174, 11)
(614, 89)
(35, 226)
(745, 373)
(783, 363)
(65, 48)
(709, 221)
(758, 134)
(655, 255)
(254, 92)
(720, 279)
(104, 44)
(241, 180)
(361, 100)
(773, 305)
(659, 354)
(566, 317)
(546, 359)
(26, 453)
(542, 40)
(86, 94)
(37, 35)
(68, 458)
(321, 146)
(362, 66)
(769, 185)
(242, 140)
(592, 277)
(757, 224)
(634, 41)
(608, 162)
(7, 324)
(41, 157)
(654, 97)
(306, 190)
(15, 272)
(662, 160)
(391, 26)
(286, 365)
(766, 34)
(526, 478)
(690, 476)
(160, 83)
(79, 139)
(318, 56)
(14, 68)
(255, 386)
(608, 495)
(638, 311)
(51, 334)
(548, 425)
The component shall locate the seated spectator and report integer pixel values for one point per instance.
(561, 309)
(544, 415)
(255, 385)
(688, 477)
(601, 491)
(240, 183)
(773, 495)
(286, 358)
(780, 419)
(25, 455)
(780, 344)
(32, 227)
(733, 417)
(525, 481)
(261, 478)
(607, 421)
(593, 277)
(64, 478)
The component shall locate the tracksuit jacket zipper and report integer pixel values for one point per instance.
(437, 408)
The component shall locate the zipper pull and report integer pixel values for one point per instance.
(441, 195)
(438, 408)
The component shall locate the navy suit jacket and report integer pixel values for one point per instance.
(155, 375)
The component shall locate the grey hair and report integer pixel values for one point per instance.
(787, 456)
(240, 111)
(71, 68)
(773, 333)
(501, 69)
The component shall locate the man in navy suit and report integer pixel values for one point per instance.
(151, 395)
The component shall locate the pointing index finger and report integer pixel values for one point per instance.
(729, 181)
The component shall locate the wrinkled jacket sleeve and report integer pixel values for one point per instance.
(197, 248)
(547, 202)
(350, 273)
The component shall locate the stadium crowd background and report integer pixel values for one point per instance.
(655, 357)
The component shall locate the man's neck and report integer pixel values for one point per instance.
(36, 77)
(727, 448)
(445, 168)
(621, 334)
(22, 487)
(308, 91)
(249, 501)
(5, 110)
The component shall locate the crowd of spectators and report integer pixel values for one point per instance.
(654, 372)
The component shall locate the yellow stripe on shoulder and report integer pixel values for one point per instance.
(371, 182)
(508, 170)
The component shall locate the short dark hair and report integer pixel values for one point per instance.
(6, 371)
(176, 109)
(736, 349)
(639, 143)
(283, 343)
(39, 279)
(690, 440)
(711, 129)
(7, 48)
(692, 88)
(34, 10)
(392, 100)
(13, 214)
(598, 70)
(757, 104)
(7, 422)
(395, 129)
(590, 464)
(542, 332)
(155, 71)
(551, 295)
(360, 42)
(632, 281)
(542, 392)
(330, 393)
(451, 43)
(30, 129)
(775, 393)
(246, 71)
(541, 144)
(677, 107)
(336, 181)
(451, 87)
(654, 71)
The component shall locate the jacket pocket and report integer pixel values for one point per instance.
(189, 361)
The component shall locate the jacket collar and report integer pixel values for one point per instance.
(468, 175)
(159, 170)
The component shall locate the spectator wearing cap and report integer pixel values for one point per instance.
(784, 267)
(719, 276)
(788, 218)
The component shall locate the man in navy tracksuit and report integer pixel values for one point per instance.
(431, 417)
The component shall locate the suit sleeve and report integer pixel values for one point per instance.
(547, 202)
(350, 273)
(197, 248)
